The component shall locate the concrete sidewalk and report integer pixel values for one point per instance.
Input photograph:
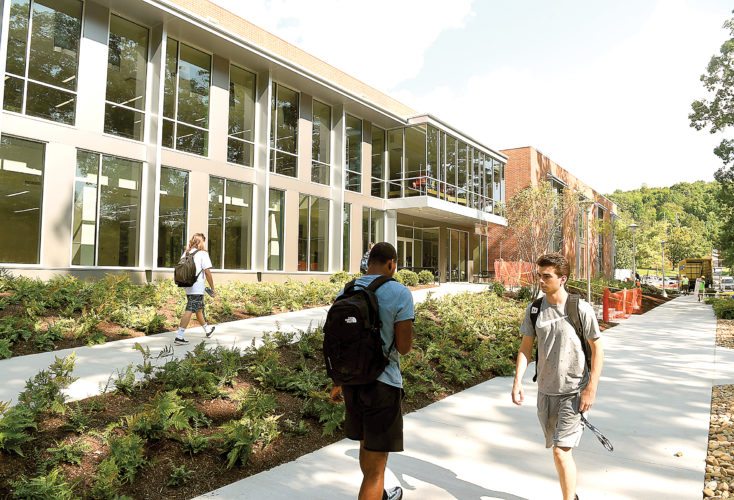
(95, 364)
(654, 401)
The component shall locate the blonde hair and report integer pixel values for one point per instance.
(196, 242)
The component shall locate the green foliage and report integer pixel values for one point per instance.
(498, 288)
(299, 428)
(77, 420)
(525, 293)
(193, 442)
(166, 412)
(310, 342)
(106, 482)
(16, 424)
(241, 436)
(340, 278)
(51, 485)
(69, 453)
(44, 391)
(125, 382)
(179, 475)
(5, 349)
(723, 308)
(426, 277)
(330, 414)
(128, 453)
(254, 403)
(406, 277)
(192, 375)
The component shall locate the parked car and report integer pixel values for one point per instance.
(727, 284)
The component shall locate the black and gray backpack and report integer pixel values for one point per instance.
(184, 273)
(353, 347)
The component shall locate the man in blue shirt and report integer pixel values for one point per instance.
(374, 415)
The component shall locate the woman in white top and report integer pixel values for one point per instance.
(195, 292)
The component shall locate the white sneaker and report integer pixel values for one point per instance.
(209, 332)
(180, 340)
(395, 493)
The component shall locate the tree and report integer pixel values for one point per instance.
(716, 112)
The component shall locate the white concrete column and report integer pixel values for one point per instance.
(305, 134)
(59, 170)
(4, 23)
(391, 227)
(336, 232)
(260, 191)
(219, 109)
(92, 73)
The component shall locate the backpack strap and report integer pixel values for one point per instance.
(574, 317)
(534, 313)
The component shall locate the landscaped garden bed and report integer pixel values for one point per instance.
(198, 423)
(64, 312)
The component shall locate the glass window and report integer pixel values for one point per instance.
(172, 204)
(313, 232)
(276, 228)
(44, 84)
(450, 159)
(497, 184)
(488, 173)
(378, 162)
(345, 236)
(230, 223)
(240, 143)
(433, 167)
(353, 140)
(21, 195)
(415, 160)
(284, 131)
(321, 143)
(127, 58)
(373, 226)
(215, 227)
(461, 173)
(186, 98)
(106, 225)
(395, 162)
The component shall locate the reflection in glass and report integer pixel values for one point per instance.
(450, 167)
(373, 226)
(313, 233)
(126, 72)
(433, 166)
(170, 77)
(54, 50)
(276, 214)
(173, 194)
(51, 104)
(321, 143)
(378, 162)
(84, 229)
(395, 162)
(241, 116)
(18, 36)
(237, 225)
(415, 160)
(346, 236)
(303, 227)
(216, 219)
(13, 94)
(353, 139)
(284, 131)
(191, 139)
(21, 194)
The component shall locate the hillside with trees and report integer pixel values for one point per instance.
(687, 216)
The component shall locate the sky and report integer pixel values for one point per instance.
(602, 88)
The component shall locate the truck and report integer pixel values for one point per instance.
(694, 269)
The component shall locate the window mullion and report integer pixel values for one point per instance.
(27, 55)
(97, 214)
(224, 220)
(175, 96)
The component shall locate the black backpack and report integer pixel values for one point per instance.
(184, 273)
(574, 317)
(353, 346)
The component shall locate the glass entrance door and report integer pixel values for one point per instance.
(458, 252)
(405, 252)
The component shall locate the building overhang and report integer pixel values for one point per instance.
(428, 207)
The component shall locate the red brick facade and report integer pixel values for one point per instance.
(526, 167)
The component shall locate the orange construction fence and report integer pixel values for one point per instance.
(622, 303)
(511, 273)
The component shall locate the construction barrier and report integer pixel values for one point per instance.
(511, 273)
(619, 305)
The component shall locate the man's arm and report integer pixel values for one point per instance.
(523, 358)
(588, 395)
(209, 279)
(404, 336)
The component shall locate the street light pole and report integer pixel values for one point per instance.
(589, 205)
(662, 247)
(633, 227)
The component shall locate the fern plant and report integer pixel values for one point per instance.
(16, 424)
(179, 475)
(51, 485)
(106, 482)
(69, 453)
(254, 403)
(166, 412)
(330, 414)
(44, 391)
(129, 455)
(240, 437)
(193, 442)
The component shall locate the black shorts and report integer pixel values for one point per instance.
(194, 302)
(374, 416)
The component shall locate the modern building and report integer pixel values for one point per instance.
(588, 224)
(128, 125)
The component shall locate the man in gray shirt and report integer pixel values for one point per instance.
(565, 388)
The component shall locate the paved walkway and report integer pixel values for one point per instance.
(95, 364)
(653, 401)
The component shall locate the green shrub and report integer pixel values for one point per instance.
(179, 475)
(525, 293)
(240, 437)
(106, 481)
(52, 485)
(77, 419)
(723, 308)
(331, 415)
(193, 442)
(129, 455)
(406, 277)
(166, 412)
(69, 453)
(125, 382)
(498, 288)
(16, 424)
(426, 277)
(44, 392)
(5, 349)
(254, 403)
(340, 277)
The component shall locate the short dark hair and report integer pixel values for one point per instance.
(558, 261)
(382, 252)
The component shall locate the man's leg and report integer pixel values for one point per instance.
(185, 319)
(200, 317)
(373, 465)
(566, 468)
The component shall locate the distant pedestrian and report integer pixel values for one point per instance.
(365, 259)
(566, 389)
(701, 288)
(373, 410)
(684, 285)
(195, 293)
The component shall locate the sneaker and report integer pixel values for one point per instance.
(395, 493)
(180, 340)
(209, 331)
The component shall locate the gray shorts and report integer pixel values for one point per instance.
(194, 303)
(560, 419)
